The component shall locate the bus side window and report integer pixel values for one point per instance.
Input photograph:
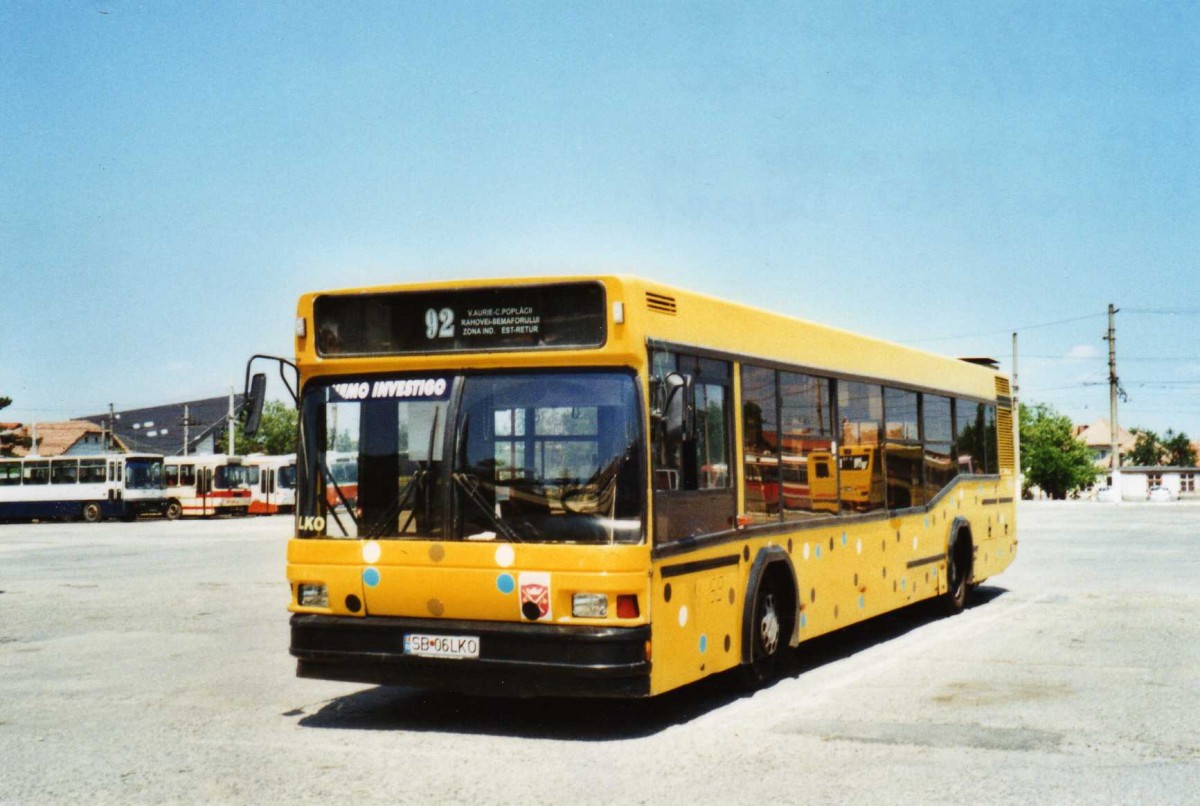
(938, 435)
(860, 476)
(64, 471)
(91, 471)
(694, 494)
(172, 475)
(37, 472)
(187, 475)
(969, 439)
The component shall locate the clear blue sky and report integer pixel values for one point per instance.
(174, 175)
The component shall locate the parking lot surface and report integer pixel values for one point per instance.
(148, 662)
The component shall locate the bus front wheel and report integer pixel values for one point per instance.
(174, 510)
(769, 632)
(91, 512)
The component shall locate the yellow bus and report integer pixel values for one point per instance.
(572, 486)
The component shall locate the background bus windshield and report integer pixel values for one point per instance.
(549, 457)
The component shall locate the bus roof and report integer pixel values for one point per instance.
(635, 312)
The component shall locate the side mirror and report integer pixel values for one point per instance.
(253, 405)
(679, 410)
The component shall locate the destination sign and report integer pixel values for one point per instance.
(570, 315)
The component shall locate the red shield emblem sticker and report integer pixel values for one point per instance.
(535, 596)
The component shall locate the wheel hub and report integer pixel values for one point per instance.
(768, 626)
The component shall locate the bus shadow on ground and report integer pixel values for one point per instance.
(591, 720)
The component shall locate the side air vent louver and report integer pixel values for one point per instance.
(1004, 424)
(660, 303)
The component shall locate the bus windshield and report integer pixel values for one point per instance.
(144, 474)
(230, 477)
(550, 457)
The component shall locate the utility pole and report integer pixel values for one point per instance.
(1016, 409)
(1113, 390)
(187, 422)
(232, 424)
(112, 426)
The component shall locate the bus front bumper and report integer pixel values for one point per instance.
(521, 660)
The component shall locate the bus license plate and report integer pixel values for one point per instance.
(441, 646)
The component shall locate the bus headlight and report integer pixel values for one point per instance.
(311, 594)
(589, 605)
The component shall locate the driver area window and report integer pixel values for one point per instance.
(693, 492)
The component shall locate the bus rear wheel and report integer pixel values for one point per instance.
(91, 512)
(958, 574)
(174, 510)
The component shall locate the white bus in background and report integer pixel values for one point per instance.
(209, 484)
(272, 481)
(113, 485)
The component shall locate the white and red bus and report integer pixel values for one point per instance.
(203, 485)
(272, 481)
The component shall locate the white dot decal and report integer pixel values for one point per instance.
(505, 556)
(683, 616)
(806, 551)
(914, 542)
(371, 551)
(858, 546)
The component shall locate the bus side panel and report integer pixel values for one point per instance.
(994, 531)
(695, 629)
(846, 571)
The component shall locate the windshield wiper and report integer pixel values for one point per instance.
(329, 479)
(470, 486)
(416, 482)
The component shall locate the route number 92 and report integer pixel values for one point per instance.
(439, 324)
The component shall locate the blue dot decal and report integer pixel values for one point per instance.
(371, 577)
(904, 583)
(862, 602)
(505, 583)
(818, 552)
(703, 644)
(803, 620)
(843, 538)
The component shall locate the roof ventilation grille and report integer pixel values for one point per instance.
(660, 303)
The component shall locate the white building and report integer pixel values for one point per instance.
(1137, 481)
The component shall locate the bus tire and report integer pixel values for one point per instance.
(173, 511)
(91, 512)
(958, 572)
(770, 627)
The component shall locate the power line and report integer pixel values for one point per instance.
(1010, 329)
(1101, 358)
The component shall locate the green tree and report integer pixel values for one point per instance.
(8, 443)
(1051, 457)
(276, 432)
(1178, 449)
(1147, 449)
(1171, 450)
(278, 429)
